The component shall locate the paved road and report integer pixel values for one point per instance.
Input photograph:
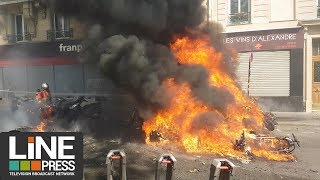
(140, 163)
(307, 129)
(196, 166)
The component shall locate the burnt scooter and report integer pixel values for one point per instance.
(281, 144)
(66, 111)
(63, 111)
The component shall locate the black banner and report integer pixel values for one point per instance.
(35, 156)
(40, 49)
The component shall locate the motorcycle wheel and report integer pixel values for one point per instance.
(286, 145)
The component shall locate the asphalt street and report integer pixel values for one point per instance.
(141, 164)
(141, 157)
(306, 127)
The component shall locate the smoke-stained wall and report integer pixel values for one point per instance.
(69, 79)
(15, 78)
(36, 75)
(62, 79)
(95, 81)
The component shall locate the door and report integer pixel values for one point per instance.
(315, 74)
(316, 84)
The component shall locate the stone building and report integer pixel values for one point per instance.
(281, 38)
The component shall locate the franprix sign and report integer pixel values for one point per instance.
(65, 48)
(265, 40)
(35, 156)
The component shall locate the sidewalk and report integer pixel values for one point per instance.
(298, 115)
(298, 118)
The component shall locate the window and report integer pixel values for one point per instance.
(61, 26)
(239, 11)
(316, 71)
(315, 47)
(21, 32)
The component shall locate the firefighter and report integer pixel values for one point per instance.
(46, 94)
(39, 96)
(44, 98)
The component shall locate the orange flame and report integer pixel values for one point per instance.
(47, 117)
(43, 124)
(180, 122)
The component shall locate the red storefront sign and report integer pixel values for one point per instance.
(265, 40)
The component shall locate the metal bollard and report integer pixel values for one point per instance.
(116, 158)
(165, 167)
(221, 169)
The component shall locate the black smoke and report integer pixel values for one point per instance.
(130, 39)
(140, 17)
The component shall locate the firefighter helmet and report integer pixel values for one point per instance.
(45, 86)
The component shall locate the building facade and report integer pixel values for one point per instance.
(38, 45)
(280, 39)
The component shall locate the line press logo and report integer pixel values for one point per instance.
(41, 156)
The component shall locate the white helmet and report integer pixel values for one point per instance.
(45, 86)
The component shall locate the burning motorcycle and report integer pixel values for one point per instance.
(62, 111)
(281, 144)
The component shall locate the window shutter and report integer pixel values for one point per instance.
(270, 73)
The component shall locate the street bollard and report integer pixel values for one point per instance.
(221, 169)
(116, 165)
(165, 167)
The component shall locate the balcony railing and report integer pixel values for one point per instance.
(13, 38)
(239, 18)
(59, 34)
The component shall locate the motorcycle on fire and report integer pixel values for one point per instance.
(67, 112)
(63, 111)
(281, 144)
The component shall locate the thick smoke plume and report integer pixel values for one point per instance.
(130, 40)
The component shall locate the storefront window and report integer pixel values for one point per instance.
(315, 47)
(316, 71)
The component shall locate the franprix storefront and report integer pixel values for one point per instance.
(275, 58)
(23, 67)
